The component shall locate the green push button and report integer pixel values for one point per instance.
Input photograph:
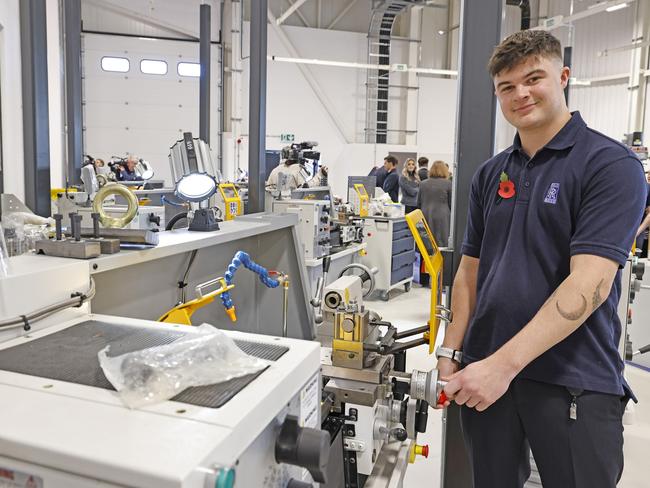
(225, 479)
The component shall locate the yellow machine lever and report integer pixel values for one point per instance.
(182, 314)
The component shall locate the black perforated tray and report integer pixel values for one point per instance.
(71, 355)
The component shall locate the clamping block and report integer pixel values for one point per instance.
(108, 246)
(68, 248)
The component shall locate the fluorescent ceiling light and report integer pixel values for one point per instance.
(344, 64)
(577, 82)
(614, 8)
(196, 187)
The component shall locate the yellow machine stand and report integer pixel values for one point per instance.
(362, 200)
(433, 264)
(232, 202)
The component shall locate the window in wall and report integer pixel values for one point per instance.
(153, 67)
(189, 69)
(120, 65)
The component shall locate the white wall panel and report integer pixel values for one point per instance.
(148, 17)
(437, 116)
(604, 107)
(433, 48)
(138, 113)
(600, 32)
(11, 92)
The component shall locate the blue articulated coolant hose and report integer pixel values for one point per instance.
(243, 258)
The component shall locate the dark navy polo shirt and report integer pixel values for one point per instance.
(582, 193)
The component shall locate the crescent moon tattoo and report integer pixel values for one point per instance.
(576, 314)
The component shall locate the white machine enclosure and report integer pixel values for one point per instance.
(67, 435)
(36, 282)
(313, 224)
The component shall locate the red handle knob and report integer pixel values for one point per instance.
(442, 398)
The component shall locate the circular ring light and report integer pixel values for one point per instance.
(196, 187)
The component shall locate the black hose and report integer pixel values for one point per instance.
(174, 219)
(182, 284)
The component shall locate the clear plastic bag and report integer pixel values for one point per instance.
(159, 373)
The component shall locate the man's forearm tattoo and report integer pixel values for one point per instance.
(573, 315)
(597, 299)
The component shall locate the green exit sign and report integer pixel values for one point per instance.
(287, 137)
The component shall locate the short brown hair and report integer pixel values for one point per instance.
(439, 169)
(521, 45)
(391, 159)
(423, 161)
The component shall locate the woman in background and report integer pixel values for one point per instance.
(409, 183)
(434, 198)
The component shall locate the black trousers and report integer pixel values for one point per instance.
(585, 452)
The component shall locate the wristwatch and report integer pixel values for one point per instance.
(453, 354)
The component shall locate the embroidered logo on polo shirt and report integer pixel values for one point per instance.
(552, 193)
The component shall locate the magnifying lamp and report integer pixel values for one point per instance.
(144, 169)
(193, 173)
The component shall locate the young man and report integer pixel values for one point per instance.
(551, 222)
(391, 181)
(423, 171)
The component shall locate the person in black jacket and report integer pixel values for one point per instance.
(379, 172)
(391, 182)
(423, 171)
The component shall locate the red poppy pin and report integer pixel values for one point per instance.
(506, 186)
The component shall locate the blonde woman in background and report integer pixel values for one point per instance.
(409, 183)
(434, 198)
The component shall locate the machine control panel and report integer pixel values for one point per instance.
(313, 226)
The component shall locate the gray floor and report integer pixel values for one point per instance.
(407, 310)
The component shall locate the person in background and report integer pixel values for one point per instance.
(642, 231)
(409, 182)
(391, 182)
(128, 172)
(295, 169)
(423, 171)
(434, 199)
(379, 172)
